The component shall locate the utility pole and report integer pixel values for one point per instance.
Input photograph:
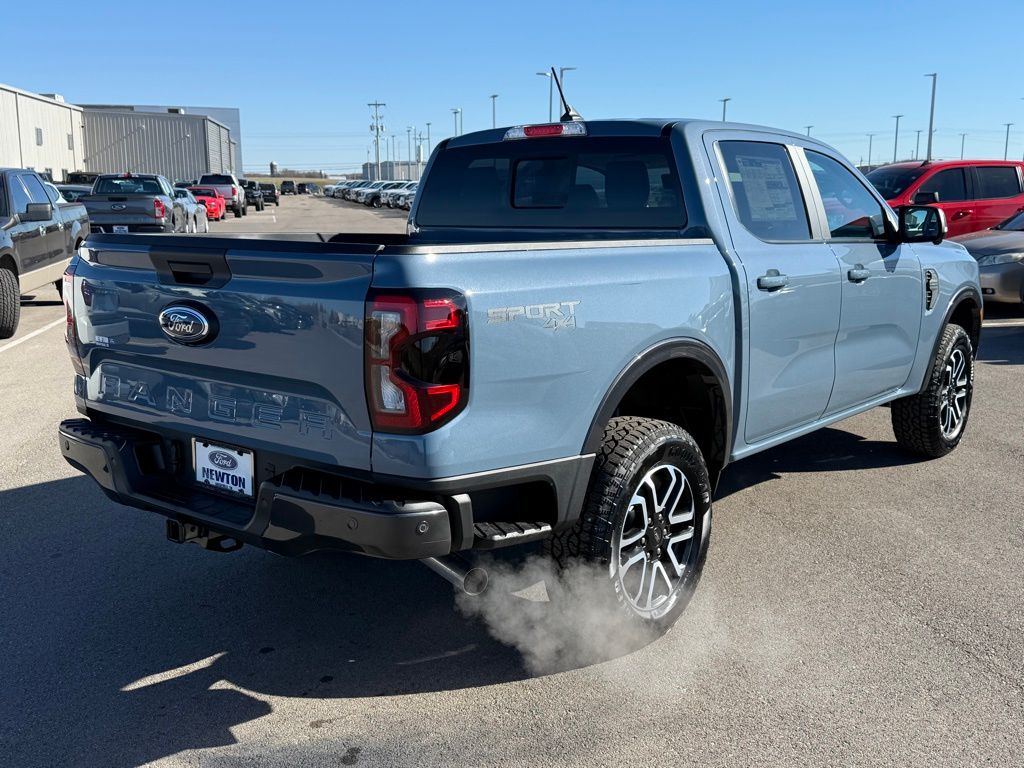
(917, 146)
(931, 114)
(551, 93)
(376, 132)
(724, 101)
(896, 141)
(408, 165)
(963, 136)
(871, 141)
(1006, 147)
(494, 113)
(808, 127)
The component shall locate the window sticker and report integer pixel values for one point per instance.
(766, 188)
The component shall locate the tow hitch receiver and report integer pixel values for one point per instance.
(181, 533)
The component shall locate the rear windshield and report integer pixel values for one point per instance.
(204, 192)
(132, 186)
(268, 187)
(893, 182)
(215, 178)
(557, 183)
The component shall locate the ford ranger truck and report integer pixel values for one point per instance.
(586, 322)
(39, 233)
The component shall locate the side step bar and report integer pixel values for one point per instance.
(494, 535)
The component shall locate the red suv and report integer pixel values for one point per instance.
(975, 194)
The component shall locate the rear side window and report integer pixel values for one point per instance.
(556, 183)
(765, 192)
(997, 181)
(951, 184)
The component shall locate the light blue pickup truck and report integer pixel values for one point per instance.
(586, 322)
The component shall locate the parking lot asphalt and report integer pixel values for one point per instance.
(859, 607)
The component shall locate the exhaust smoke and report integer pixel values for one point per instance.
(558, 619)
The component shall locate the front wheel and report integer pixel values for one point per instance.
(932, 422)
(646, 520)
(10, 303)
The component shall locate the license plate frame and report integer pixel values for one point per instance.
(212, 468)
(120, 229)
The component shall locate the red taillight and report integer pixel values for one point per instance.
(234, 191)
(67, 293)
(417, 361)
(159, 209)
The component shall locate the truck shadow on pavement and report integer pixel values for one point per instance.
(139, 648)
(1002, 346)
(826, 450)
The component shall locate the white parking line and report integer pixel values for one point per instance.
(28, 336)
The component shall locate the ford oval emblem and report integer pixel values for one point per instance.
(223, 460)
(185, 324)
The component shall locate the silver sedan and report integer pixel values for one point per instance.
(1000, 255)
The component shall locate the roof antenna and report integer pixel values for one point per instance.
(570, 115)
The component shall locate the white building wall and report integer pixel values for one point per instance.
(35, 131)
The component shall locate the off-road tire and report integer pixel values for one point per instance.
(59, 285)
(238, 211)
(630, 447)
(915, 419)
(10, 303)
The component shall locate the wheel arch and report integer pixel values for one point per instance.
(7, 261)
(965, 310)
(665, 381)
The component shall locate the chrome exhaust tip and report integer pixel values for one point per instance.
(470, 579)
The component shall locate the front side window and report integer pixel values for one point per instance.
(19, 197)
(950, 184)
(997, 181)
(765, 191)
(36, 190)
(851, 210)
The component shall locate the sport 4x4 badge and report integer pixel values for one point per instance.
(561, 314)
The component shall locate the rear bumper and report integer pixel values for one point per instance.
(154, 227)
(301, 511)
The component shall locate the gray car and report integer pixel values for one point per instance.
(195, 212)
(1000, 255)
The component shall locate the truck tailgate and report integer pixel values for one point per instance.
(281, 366)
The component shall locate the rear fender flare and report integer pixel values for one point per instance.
(664, 351)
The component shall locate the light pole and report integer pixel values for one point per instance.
(376, 133)
(408, 164)
(725, 101)
(494, 112)
(1006, 146)
(871, 141)
(808, 127)
(455, 117)
(428, 139)
(917, 146)
(896, 141)
(551, 93)
(963, 136)
(931, 114)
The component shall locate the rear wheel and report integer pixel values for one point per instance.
(933, 421)
(10, 303)
(646, 520)
(238, 211)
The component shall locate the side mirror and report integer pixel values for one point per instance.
(37, 212)
(926, 198)
(922, 224)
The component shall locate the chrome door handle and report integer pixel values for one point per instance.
(772, 280)
(858, 274)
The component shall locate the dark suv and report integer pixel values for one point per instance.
(288, 187)
(253, 194)
(270, 194)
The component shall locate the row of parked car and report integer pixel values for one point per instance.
(376, 194)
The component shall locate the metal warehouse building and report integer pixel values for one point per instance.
(40, 132)
(179, 146)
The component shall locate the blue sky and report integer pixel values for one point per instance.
(845, 68)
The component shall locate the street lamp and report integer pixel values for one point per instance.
(871, 141)
(551, 93)
(455, 117)
(808, 127)
(408, 164)
(896, 141)
(963, 136)
(428, 139)
(931, 114)
(1006, 147)
(725, 101)
(494, 113)
(917, 146)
